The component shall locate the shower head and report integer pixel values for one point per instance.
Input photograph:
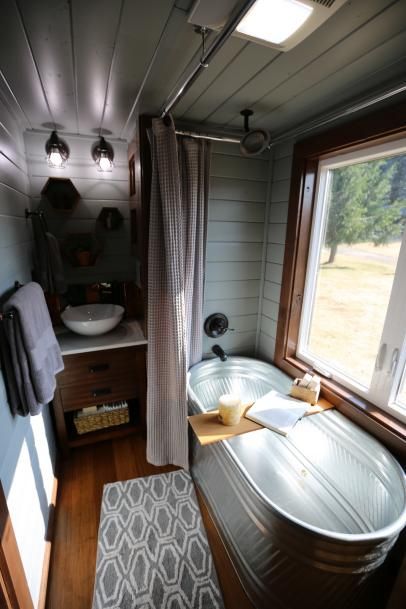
(255, 141)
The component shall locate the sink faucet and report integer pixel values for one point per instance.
(217, 350)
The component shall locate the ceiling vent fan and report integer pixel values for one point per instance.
(280, 24)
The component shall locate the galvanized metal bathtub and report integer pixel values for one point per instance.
(306, 518)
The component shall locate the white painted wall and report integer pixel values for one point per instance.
(278, 213)
(237, 200)
(27, 450)
(97, 190)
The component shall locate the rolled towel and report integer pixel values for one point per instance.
(35, 353)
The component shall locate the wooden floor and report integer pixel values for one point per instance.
(74, 546)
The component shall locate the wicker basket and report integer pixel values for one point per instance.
(100, 420)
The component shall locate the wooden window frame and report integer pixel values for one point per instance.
(385, 125)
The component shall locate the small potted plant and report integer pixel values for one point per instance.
(81, 249)
(83, 257)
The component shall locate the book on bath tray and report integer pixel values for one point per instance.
(278, 412)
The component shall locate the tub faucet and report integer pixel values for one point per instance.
(217, 350)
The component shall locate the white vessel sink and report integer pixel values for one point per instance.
(92, 319)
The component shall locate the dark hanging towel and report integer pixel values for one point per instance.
(16, 405)
(48, 262)
(34, 356)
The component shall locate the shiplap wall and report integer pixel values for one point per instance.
(27, 450)
(278, 213)
(237, 201)
(97, 190)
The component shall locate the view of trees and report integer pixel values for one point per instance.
(367, 203)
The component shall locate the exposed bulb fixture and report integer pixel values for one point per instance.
(103, 155)
(57, 151)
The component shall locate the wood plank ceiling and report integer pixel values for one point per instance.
(93, 64)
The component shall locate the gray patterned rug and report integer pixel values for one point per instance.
(152, 548)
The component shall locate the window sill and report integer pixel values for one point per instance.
(389, 430)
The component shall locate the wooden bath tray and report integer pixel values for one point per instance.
(208, 428)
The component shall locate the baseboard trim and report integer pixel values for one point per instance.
(48, 542)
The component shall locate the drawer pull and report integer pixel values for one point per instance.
(100, 391)
(99, 367)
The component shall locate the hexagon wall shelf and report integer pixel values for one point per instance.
(111, 218)
(61, 194)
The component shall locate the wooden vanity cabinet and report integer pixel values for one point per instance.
(99, 377)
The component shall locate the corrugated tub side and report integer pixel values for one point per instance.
(280, 563)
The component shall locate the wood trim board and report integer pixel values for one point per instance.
(5, 600)
(48, 543)
(13, 582)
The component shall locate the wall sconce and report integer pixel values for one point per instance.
(103, 155)
(57, 151)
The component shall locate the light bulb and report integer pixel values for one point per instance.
(103, 154)
(57, 151)
(55, 159)
(104, 162)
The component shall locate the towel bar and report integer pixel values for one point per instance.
(10, 314)
(38, 212)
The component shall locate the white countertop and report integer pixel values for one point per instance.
(126, 334)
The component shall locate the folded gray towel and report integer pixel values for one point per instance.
(35, 352)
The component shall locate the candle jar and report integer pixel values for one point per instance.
(229, 409)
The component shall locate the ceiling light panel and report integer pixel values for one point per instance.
(274, 20)
(280, 24)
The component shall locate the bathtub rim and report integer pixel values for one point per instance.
(381, 535)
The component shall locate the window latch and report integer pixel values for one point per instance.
(394, 362)
(323, 371)
(380, 358)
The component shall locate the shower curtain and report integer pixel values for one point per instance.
(177, 236)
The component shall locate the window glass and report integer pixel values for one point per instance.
(354, 262)
(359, 253)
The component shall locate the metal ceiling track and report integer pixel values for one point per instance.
(326, 119)
(190, 74)
(346, 111)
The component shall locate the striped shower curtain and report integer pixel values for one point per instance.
(177, 236)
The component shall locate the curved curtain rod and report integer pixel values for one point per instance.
(208, 136)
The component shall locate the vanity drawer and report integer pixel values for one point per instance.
(99, 391)
(100, 377)
(103, 365)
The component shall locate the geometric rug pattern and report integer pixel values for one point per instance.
(152, 547)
